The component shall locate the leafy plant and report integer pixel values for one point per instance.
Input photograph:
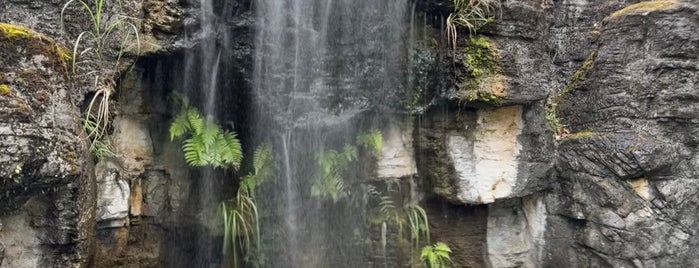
(436, 256)
(411, 215)
(99, 148)
(470, 14)
(241, 217)
(328, 182)
(332, 164)
(371, 139)
(99, 37)
(241, 226)
(262, 169)
(205, 142)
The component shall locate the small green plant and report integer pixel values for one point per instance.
(98, 38)
(332, 164)
(262, 169)
(241, 217)
(551, 107)
(371, 139)
(436, 256)
(205, 142)
(470, 14)
(410, 215)
(241, 226)
(99, 148)
(328, 183)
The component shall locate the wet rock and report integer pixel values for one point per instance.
(113, 195)
(515, 232)
(397, 156)
(2, 246)
(42, 154)
(632, 181)
(473, 157)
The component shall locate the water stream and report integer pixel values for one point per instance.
(319, 64)
(321, 70)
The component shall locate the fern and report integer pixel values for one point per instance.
(241, 217)
(436, 256)
(262, 169)
(205, 143)
(371, 139)
(329, 183)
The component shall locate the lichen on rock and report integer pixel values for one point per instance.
(483, 80)
(644, 7)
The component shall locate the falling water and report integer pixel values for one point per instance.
(319, 66)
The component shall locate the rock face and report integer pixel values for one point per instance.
(51, 201)
(47, 193)
(622, 80)
(630, 184)
(612, 185)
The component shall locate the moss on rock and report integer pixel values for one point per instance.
(582, 135)
(4, 89)
(644, 7)
(555, 99)
(483, 81)
(15, 31)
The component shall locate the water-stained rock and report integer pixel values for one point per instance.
(631, 179)
(42, 152)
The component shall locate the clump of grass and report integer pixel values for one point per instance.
(241, 217)
(99, 37)
(469, 14)
(410, 215)
(99, 148)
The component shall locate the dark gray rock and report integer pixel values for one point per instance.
(42, 156)
(628, 177)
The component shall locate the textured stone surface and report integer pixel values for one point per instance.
(515, 232)
(113, 195)
(632, 184)
(473, 157)
(42, 155)
(397, 155)
(623, 193)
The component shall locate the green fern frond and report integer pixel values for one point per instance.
(372, 139)
(193, 149)
(196, 121)
(179, 126)
(206, 143)
(436, 256)
(328, 182)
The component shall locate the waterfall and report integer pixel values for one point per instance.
(319, 65)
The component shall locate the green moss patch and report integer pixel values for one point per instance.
(644, 7)
(483, 80)
(15, 31)
(4, 89)
(582, 135)
(555, 99)
(35, 42)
